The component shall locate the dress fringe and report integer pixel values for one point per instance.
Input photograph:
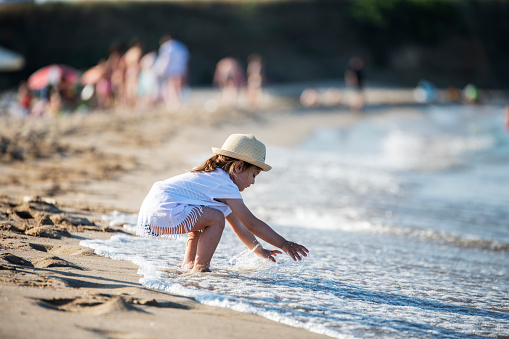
(184, 227)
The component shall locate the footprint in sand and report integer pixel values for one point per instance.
(53, 261)
(9, 265)
(102, 304)
(96, 304)
(111, 334)
(63, 250)
(9, 258)
(40, 217)
(48, 231)
(32, 280)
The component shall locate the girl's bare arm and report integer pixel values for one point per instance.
(249, 239)
(264, 231)
(244, 235)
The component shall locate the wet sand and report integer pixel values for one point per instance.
(58, 178)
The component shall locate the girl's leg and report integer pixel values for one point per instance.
(211, 223)
(191, 246)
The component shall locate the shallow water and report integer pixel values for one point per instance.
(406, 219)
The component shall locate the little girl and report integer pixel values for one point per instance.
(198, 202)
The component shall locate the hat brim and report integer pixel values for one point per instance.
(242, 157)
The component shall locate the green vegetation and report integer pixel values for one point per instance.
(448, 42)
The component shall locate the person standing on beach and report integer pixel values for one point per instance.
(147, 80)
(255, 77)
(117, 76)
(354, 78)
(24, 98)
(172, 66)
(198, 202)
(132, 69)
(229, 77)
(103, 86)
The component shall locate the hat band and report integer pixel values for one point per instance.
(242, 157)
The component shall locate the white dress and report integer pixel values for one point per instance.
(173, 206)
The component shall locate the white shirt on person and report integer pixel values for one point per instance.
(169, 202)
(172, 59)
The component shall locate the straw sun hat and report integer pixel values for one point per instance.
(244, 147)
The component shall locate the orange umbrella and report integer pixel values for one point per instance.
(53, 75)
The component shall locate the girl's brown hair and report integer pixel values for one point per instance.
(220, 161)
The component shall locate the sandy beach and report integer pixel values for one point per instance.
(59, 177)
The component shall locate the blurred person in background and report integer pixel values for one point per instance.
(309, 97)
(147, 80)
(54, 105)
(98, 79)
(230, 78)
(354, 78)
(132, 69)
(471, 94)
(103, 87)
(68, 94)
(255, 78)
(171, 67)
(116, 63)
(24, 98)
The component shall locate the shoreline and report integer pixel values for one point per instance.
(85, 167)
(72, 172)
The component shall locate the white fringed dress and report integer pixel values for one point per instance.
(173, 206)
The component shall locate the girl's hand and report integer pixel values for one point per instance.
(267, 254)
(294, 250)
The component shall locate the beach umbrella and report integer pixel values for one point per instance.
(52, 75)
(10, 61)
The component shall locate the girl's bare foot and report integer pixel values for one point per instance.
(201, 268)
(187, 266)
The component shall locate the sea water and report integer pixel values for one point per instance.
(406, 216)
